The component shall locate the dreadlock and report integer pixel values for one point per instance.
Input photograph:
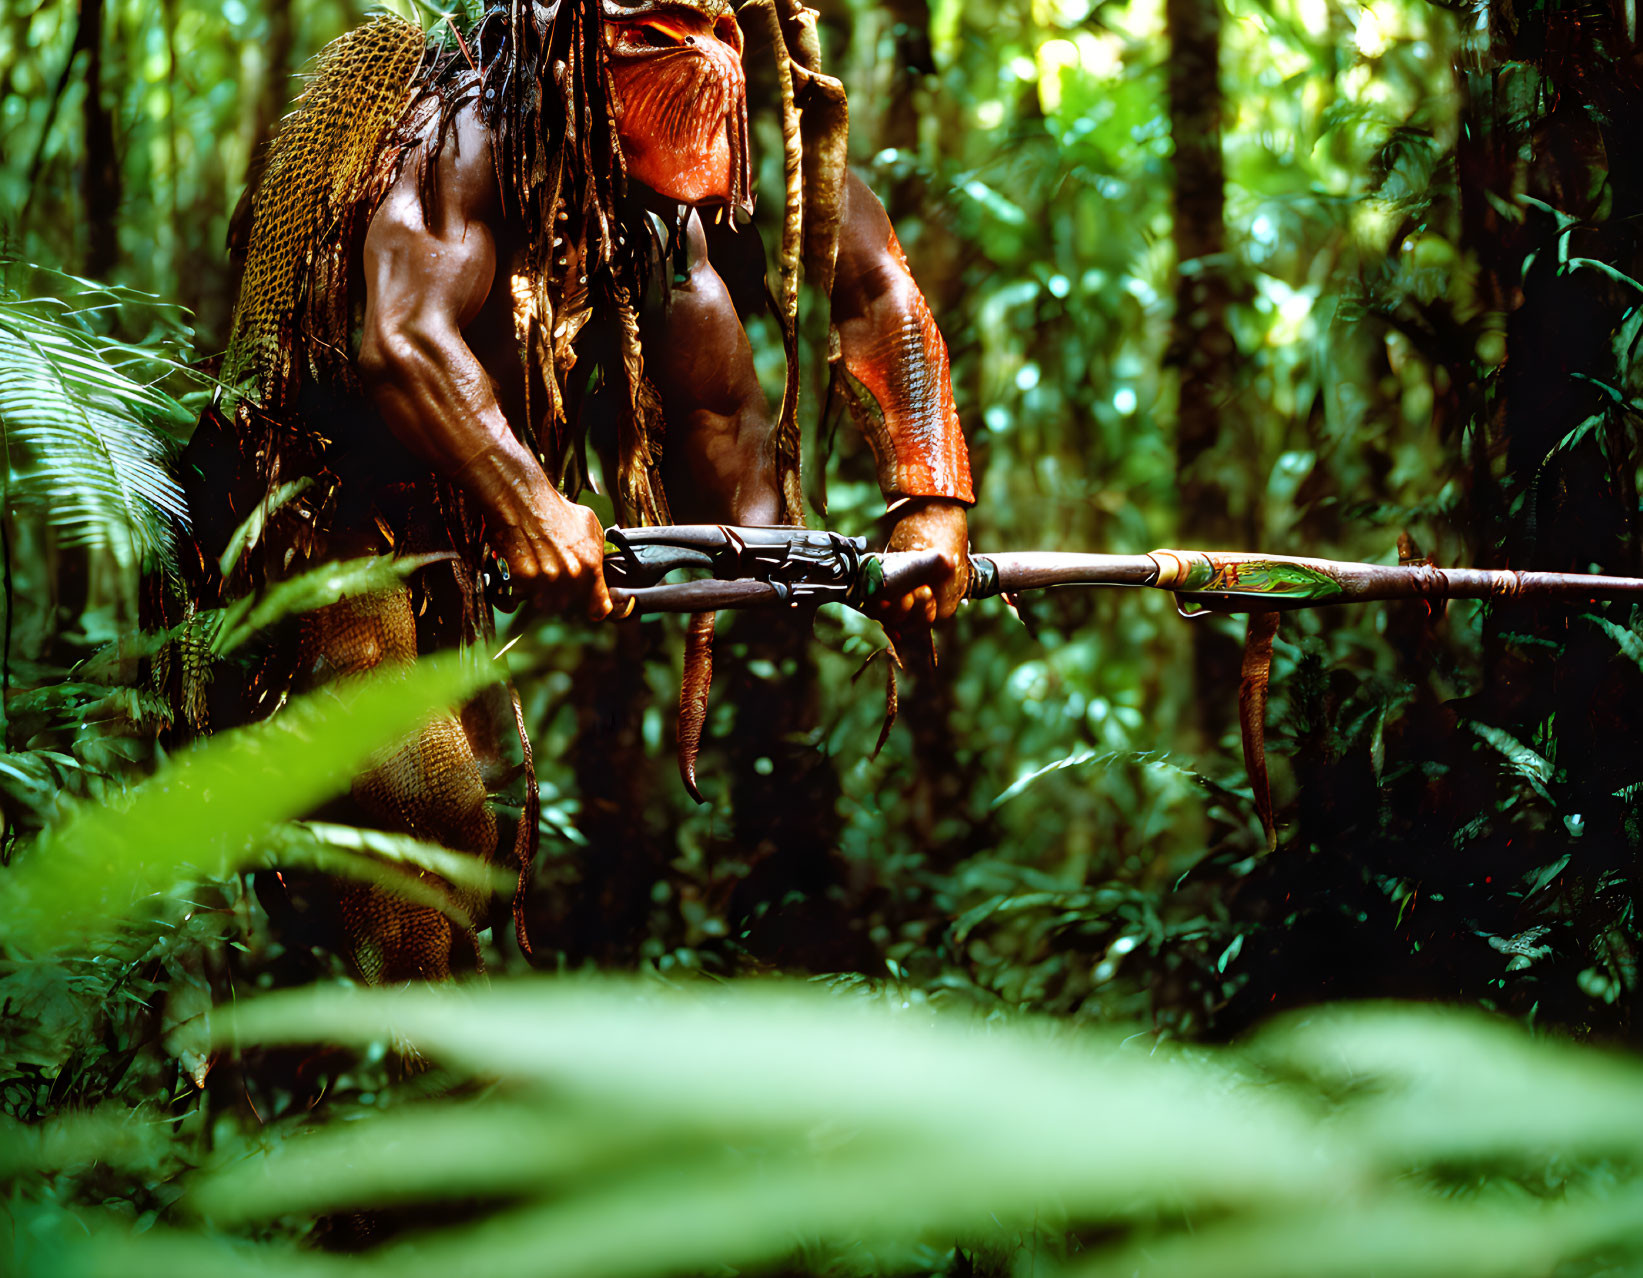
(537, 76)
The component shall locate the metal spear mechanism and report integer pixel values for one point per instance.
(790, 567)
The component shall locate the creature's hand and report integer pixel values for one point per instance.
(941, 526)
(554, 549)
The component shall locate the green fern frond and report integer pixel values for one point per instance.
(85, 445)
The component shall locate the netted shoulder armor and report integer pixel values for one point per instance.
(331, 152)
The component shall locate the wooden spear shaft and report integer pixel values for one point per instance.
(1230, 581)
(1241, 581)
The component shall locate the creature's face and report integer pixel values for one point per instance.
(677, 71)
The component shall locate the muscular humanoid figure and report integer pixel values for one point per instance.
(460, 266)
(440, 360)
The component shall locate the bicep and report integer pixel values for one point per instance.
(718, 463)
(871, 271)
(704, 361)
(431, 267)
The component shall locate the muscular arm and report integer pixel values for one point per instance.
(897, 369)
(719, 465)
(426, 279)
(896, 359)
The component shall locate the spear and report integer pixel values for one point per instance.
(790, 567)
(794, 567)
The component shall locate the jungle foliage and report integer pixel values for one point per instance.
(1034, 921)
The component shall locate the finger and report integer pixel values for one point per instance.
(599, 604)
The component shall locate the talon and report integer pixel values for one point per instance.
(1252, 693)
(693, 691)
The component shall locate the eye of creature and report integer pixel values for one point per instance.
(656, 36)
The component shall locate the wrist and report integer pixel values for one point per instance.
(504, 479)
(930, 523)
(897, 507)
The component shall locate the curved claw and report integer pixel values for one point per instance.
(1252, 689)
(693, 690)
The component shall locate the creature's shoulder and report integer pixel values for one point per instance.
(328, 159)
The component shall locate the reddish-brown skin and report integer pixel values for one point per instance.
(890, 345)
(892, 348)
(439, 357)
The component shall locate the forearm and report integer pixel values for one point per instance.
(895, 361)
(897, 374)
(428, 274)
(723, 470)
(437, 400)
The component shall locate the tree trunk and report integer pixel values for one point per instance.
(795, 907)
(274, 93)
(610, 910)
(100, 182)
(899, 119)
(1201, 344)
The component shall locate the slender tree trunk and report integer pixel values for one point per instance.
(173, 175)
(1201, 343)
(100, 181)
(795, 908)
(610, 910)
(274, 94)
(898, 120)
(100, 194)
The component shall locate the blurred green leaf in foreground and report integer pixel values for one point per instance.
(612, 1128)
(615, 1129)
(204, 814)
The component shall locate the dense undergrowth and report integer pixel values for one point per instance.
(621, 1126)
(1032, 950)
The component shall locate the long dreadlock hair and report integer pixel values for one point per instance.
(538, 78)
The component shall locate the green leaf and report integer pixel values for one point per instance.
(360, 853)
(1628, 641)
(201, 815)
(1528, 764)
(1079, 758)
(250, 530)
(81, 442)
(313, 590)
